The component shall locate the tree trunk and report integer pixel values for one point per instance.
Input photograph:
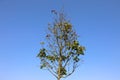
(60, 60)
(59, 70)
(58, 78)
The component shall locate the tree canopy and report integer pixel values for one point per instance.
(61, 55)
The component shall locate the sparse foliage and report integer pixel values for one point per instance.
(62, 54)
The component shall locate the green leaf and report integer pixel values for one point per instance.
(51, 58)
(43, 65)
(81, 50)
(76, 59)
(42, 53)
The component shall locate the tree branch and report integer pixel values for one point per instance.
(52, 73)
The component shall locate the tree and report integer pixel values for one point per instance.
(61, 55)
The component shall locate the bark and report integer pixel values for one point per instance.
(58, 79)
(60, 63)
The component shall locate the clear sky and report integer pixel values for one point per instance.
(23, 24)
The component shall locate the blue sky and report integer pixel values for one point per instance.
(23, 24)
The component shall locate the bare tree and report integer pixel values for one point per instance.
(61, 55)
